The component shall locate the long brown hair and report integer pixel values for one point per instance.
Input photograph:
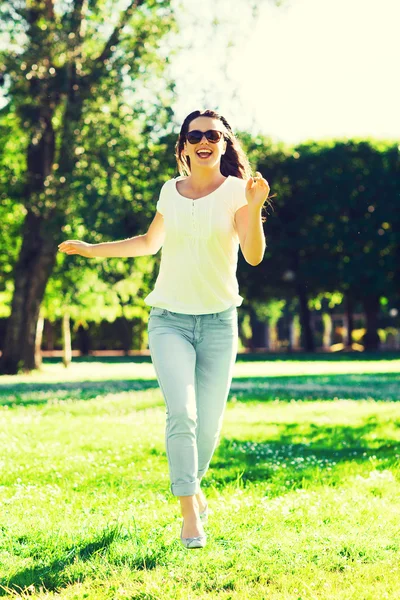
(233, 162)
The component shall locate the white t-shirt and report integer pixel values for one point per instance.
(199, 257)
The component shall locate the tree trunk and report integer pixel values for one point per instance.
(126, 332)
(38, 341)
(49, 331)
(307, 340)
(66, 340)
(294, 337)
(84, 341)
(327, 330)
(257, 331)
(43, 223)
(138, 337)
(272, 335)
(371, 310)
(126, 328)
(243, 326)
(32, 271)
(349, 308)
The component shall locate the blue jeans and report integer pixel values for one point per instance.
(193, 357)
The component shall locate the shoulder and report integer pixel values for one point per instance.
(237, 182)
(168, 186)
(170, 182)
(238, 192)
(164, 195)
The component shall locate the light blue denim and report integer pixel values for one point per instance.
(193, 357)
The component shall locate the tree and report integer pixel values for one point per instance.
(356, 226)
(334, 227)
(55, 85)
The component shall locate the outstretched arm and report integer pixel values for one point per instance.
(140, 245)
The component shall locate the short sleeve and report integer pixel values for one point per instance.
(239, 196)
(162, 199)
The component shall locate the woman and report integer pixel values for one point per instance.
(201, 218)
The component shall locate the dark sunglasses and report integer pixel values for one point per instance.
(195, 136)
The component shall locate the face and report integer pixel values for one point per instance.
(217, 149)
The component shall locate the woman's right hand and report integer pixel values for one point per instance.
(76, 247)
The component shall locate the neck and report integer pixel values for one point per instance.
(202, 178)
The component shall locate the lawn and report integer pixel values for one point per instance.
(303, 488)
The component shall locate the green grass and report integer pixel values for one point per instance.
(303, 487)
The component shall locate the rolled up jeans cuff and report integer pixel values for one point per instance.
(186, 489)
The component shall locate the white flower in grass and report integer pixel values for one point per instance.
(381, 475)
(376, 475)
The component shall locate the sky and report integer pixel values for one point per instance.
(307, 69)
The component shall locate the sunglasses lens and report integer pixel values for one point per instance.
(213, 136)
(194, 137)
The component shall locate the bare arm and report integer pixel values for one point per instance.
(251, 234)
(140, 245)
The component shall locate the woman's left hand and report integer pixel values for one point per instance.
(257, 190)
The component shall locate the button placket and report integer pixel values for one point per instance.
(194, 225)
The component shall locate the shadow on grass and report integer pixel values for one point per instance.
(358, 386)
(303, 454)
(49, 575)
(373, 386)
(52, 575)
(42, 393)
(248, 356)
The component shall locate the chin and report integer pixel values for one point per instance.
(208, 163)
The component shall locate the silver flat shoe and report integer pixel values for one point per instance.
(204, 515)
(193, 542)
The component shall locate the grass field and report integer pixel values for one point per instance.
(303, 488)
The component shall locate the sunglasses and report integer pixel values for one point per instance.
(195, 136)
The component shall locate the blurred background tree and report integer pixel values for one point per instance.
(67, 69)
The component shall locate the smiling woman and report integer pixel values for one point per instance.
(202, 216)
(207, 211)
